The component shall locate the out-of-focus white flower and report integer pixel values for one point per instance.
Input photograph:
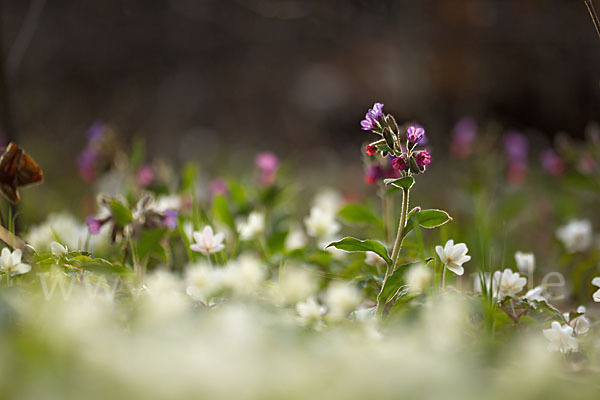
(252, 227)
(525, 262)
(561, 338)
(596, 295)
(453, 256)
(245, 275)
(321, 223)
(58, 249)
(418, 278)
(162, 297)
(202, 281)
(310, 312)
(295, 284)
(296, 239)
(10, 263)
(581, 324)
(535, 294)
(342, 299)
(208, 242)
(373, 259)
(329, 200)
(508, 283)
(63, 228)
(576, 235)
(164, 203)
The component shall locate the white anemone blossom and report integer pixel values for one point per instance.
(576, 236)
(596, 295)
(525, 262)
(536, 294)
(58, 249)
(453, 256)
(342, 299)
(580, 324)
(418, 278)
(10, 262)
(321, 223)
(508, 283)
(207, 242)
(561, 338)
(310, 312)
(252, 227)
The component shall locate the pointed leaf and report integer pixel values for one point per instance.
(427, 219)
(353, 244)
(403, 183)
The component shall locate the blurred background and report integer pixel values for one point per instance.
(199, 79)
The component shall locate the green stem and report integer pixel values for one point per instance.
(444, 278)
(396, 250)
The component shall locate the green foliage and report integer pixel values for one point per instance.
(352, 244)
(357, 214)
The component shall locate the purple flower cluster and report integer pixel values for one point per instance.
(268, 165)
(88, 158)
(415, 134)
(463, 137)
(516, 148)
(370, 122)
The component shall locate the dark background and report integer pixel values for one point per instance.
(197, 77)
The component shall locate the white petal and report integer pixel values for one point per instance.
(596, 296)
(596, 281)
(448, 247)
(16, 256)
(440, 252)
(457, 269)
(21, 269)
(197, 237)
(459, 250)
(5, 257)
(218, 238)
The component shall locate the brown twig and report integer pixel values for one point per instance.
(593, 15)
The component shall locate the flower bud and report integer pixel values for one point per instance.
(399, 163)
(370, 150)
(423, 158)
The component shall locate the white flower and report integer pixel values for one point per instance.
(203, 281)
(596, 295)
(342, 299)
(321, 223)
(329, 200)
(295, 284)
(296, 239)
(580, 324)
(58, 249)
(561, 338)
(418, 278)
(164, 203)
(63, 228)
(252, 227)
(508, 283)
(373, 259)
(10, 263)
(576, 235)
(535, 294)
(245, 275)
(525, 262)
(453, 256)
(310, 312)
(207, 242)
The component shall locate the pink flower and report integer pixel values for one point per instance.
(552, 162)
(423, 158)
(268, 163)
(399, 163)
(218, 187)
(370, 150)
(145, 175)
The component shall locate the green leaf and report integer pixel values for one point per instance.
(221, 211)
(394, 282)
(353, 244)
(357, 214)
(101, 266)
(238, 195)
(427, 219)
(150, 241)
(403, 183)
(120, 213)
(389, 137)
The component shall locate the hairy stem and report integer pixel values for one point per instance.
(396, 250)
